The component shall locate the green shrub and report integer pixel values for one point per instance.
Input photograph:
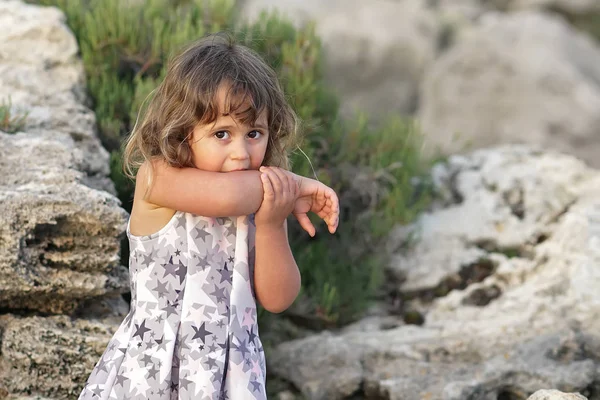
(124, 47)
(588, 22)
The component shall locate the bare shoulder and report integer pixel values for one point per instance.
(146, 218)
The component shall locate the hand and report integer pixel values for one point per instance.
(319, 198)
(280, 194)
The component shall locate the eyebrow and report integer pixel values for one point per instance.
(229, 127)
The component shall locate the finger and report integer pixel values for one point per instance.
(334, 220)
(285, 187)
(330, 218)
(335, 209)
(267, 186)
(275, 181)
(330, 212)
(306, 224)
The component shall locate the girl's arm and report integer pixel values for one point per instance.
(211, 194)
(217, 194)
(276, 275)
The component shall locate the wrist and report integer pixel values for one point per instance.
(303, 184)
(270, 228)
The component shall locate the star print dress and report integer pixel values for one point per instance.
(191, 332)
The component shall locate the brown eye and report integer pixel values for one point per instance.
(254, 134)
(222, 135)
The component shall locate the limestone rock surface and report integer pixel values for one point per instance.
(52, 356)
(61, 224)
(42, 76)
(515, 243)
(526, 77)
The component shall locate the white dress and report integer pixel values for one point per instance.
(192, 329)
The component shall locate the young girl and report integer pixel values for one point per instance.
(208, 231)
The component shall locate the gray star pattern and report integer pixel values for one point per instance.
(101, 366)
(242, 348)
(201, 332)
(171, 308)
(147, 259)
(201, 233)
(211, 363)
(170, 268)
(97, 391)
(120, 380)
(141, 330)
(219, 294)
(225, 274)
(146, 360)
(251, 335)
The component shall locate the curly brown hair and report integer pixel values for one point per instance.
(187, 97)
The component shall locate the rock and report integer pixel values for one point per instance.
(300, 361)
(539, 328)
(475, 8)
(375, 51)
(553, 244)
(50, 356)
(555, 395)
(512, 375)
(60, 238)
(61, 224)
(525, 77)
(287, 395)
(399, 365)
(28, 398)
(42, 75)
(467, 9)
(572, 7)
(508, 203)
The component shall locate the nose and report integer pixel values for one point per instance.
(240, 151)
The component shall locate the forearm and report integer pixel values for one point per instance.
(276, 275)
(210, 194)
(307, 186)
(242, 192)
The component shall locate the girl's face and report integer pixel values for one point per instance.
(227, 144)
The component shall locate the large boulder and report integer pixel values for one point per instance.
(52, 356)
(514, 243)
(525, 77)
(61, 224)
(42, 76)
(59, 238)
(375, 51)
(492, 205)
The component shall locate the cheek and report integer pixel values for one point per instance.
(207, 157)
(263, 152)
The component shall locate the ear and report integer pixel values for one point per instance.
(190, 136)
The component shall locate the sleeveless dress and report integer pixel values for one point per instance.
(191, 332)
